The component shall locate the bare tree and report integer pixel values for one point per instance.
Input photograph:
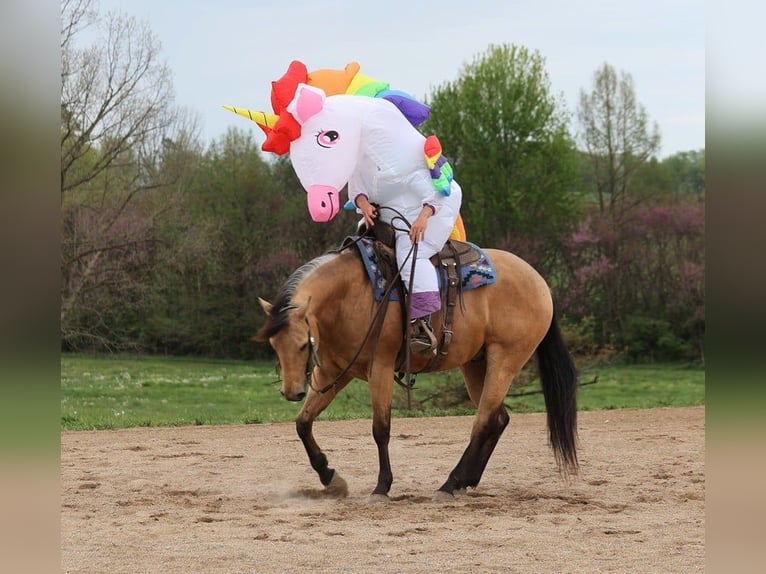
(117, 115)
(76, 15)
(618, 138)
(116, 96)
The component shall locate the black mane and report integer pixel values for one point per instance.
(283, 304)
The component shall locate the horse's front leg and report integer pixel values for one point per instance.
(304, 424)
(381, 394)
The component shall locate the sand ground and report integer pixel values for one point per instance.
(234, 499)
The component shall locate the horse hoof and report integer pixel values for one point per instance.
(337, 487)
(377, 498)
(444, 496)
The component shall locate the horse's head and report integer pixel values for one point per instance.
(328, 149)
(290, 333)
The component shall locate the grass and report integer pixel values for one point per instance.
(107, 392)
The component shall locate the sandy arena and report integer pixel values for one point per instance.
(243, 499)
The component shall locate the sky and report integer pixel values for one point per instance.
(229, 51)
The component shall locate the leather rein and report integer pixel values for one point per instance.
(376, 324)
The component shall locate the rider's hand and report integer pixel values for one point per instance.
(368, 210)
(418, 228)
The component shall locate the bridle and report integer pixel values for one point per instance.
(313, 359)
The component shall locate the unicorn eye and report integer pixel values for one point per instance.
(327, 138)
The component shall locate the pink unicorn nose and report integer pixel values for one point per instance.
(324, 202)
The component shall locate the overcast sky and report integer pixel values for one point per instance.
(228, 51)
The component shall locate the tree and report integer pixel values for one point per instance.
(660, 275)
(117, 113)
(116, 95)
(618, 139)
(687, 169)
(507, 138)
(637, 260)
(241, 229)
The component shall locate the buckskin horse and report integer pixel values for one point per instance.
(319, 325)
(320, 322)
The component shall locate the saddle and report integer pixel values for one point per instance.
(449, 262)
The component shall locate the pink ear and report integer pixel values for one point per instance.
(308, 102)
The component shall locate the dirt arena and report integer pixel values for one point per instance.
(242, 499)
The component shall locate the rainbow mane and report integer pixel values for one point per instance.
(352, 82)
(281, 128)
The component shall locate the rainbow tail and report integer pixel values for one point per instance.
(458, 230)
(441, 170)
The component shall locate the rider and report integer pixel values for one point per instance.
(361, 133)
(433, 215)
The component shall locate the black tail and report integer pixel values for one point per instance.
(559, 382)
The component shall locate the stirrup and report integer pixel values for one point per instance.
(422, 339)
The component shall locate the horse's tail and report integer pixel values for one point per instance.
(559, 382)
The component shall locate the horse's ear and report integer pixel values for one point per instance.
(307, 102)
(266, 306)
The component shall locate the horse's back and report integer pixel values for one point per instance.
(514, 312)
(519, 294)
(517, 278)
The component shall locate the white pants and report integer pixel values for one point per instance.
(438, 229)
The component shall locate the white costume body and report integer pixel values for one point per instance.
(392, 172)
(368, 144)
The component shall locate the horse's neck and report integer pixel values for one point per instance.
(332, 285)
(340, 309)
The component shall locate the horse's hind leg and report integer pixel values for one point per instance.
(474, 373)
(304, 423)
(491, 418)
(484, 438)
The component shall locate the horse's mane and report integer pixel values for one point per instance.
(279, 316)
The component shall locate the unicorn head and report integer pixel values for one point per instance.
(317, 120)
(326, 154)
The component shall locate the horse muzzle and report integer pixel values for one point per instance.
(293, 396)
(323, 202)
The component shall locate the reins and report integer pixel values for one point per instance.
(376, 324)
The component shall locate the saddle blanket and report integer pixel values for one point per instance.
(473, 275)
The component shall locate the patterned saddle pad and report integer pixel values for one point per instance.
(472, 275)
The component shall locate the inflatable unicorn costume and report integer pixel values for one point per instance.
(344, 128)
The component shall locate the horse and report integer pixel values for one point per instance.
(318, 325)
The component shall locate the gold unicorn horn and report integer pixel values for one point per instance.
(264, 119)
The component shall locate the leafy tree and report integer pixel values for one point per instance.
(506, 135)
(240, 230)
(687, 170)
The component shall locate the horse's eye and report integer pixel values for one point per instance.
(303, 346)
(328, 138)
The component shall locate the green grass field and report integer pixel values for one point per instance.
(118, 392)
